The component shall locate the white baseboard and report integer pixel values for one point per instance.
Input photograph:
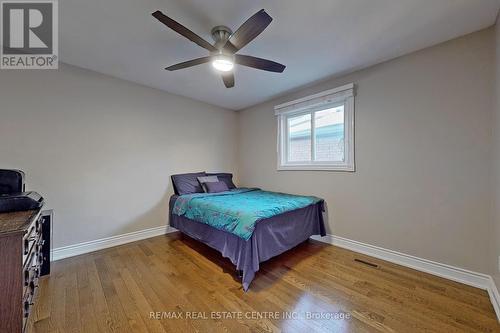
(475, 279)
(103, 243)
(494, 296)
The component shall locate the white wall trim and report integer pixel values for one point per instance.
(475, 279)
(328, 95)
(494, 296)
(103, 243)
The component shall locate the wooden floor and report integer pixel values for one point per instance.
(117, 289)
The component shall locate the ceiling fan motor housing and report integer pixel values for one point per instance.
(221, 34)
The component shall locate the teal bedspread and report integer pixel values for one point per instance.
(237, 211)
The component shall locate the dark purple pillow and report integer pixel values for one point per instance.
(187, 183)
(224, 177)
(216, 187)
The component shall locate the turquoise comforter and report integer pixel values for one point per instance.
(237, 211)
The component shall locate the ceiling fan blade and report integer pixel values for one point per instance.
(188, 63)
(228, 80)
(259, 63)
(248, 31)
(182, 30)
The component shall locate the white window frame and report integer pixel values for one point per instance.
(308, 105)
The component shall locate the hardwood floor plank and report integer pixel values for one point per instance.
(104, 322)
(85, 297)
(139, 287)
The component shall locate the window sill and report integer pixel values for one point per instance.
(308, 167)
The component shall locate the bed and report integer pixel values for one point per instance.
(246, 225)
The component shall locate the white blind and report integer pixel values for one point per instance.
(323, 98)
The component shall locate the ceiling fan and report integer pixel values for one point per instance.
(223, 52)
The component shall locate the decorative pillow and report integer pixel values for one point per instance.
(207, 179)
(187, 183)
(224, 177)
(216, 187)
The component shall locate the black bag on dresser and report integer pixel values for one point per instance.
(12, 195)
(11, 181)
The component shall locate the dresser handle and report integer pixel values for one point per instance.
(33, 286)
(27, 244)
(27, 305)
(26, 278)
(27, 309)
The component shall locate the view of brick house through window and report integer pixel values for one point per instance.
(316, 132)
(329, 136)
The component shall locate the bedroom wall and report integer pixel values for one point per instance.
(423, 154)
(495, 262)
(101, 150)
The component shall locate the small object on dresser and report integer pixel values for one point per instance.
(13, 197)
(11, 181)
(20, 202)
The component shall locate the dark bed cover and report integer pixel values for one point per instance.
(271, 237)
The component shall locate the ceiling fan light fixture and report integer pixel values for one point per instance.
(223, 63)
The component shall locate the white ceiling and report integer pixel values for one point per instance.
(315, 39)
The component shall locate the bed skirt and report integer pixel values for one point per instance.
(271, 237)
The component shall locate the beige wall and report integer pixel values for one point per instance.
(496, 164)
(101, 150)
(423, 154)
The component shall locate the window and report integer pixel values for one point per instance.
(317, 132)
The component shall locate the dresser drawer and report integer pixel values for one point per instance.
(31, 273)
(32, 238)
(29, 241)
(28, 302)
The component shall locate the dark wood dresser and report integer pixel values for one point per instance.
(21, 259)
